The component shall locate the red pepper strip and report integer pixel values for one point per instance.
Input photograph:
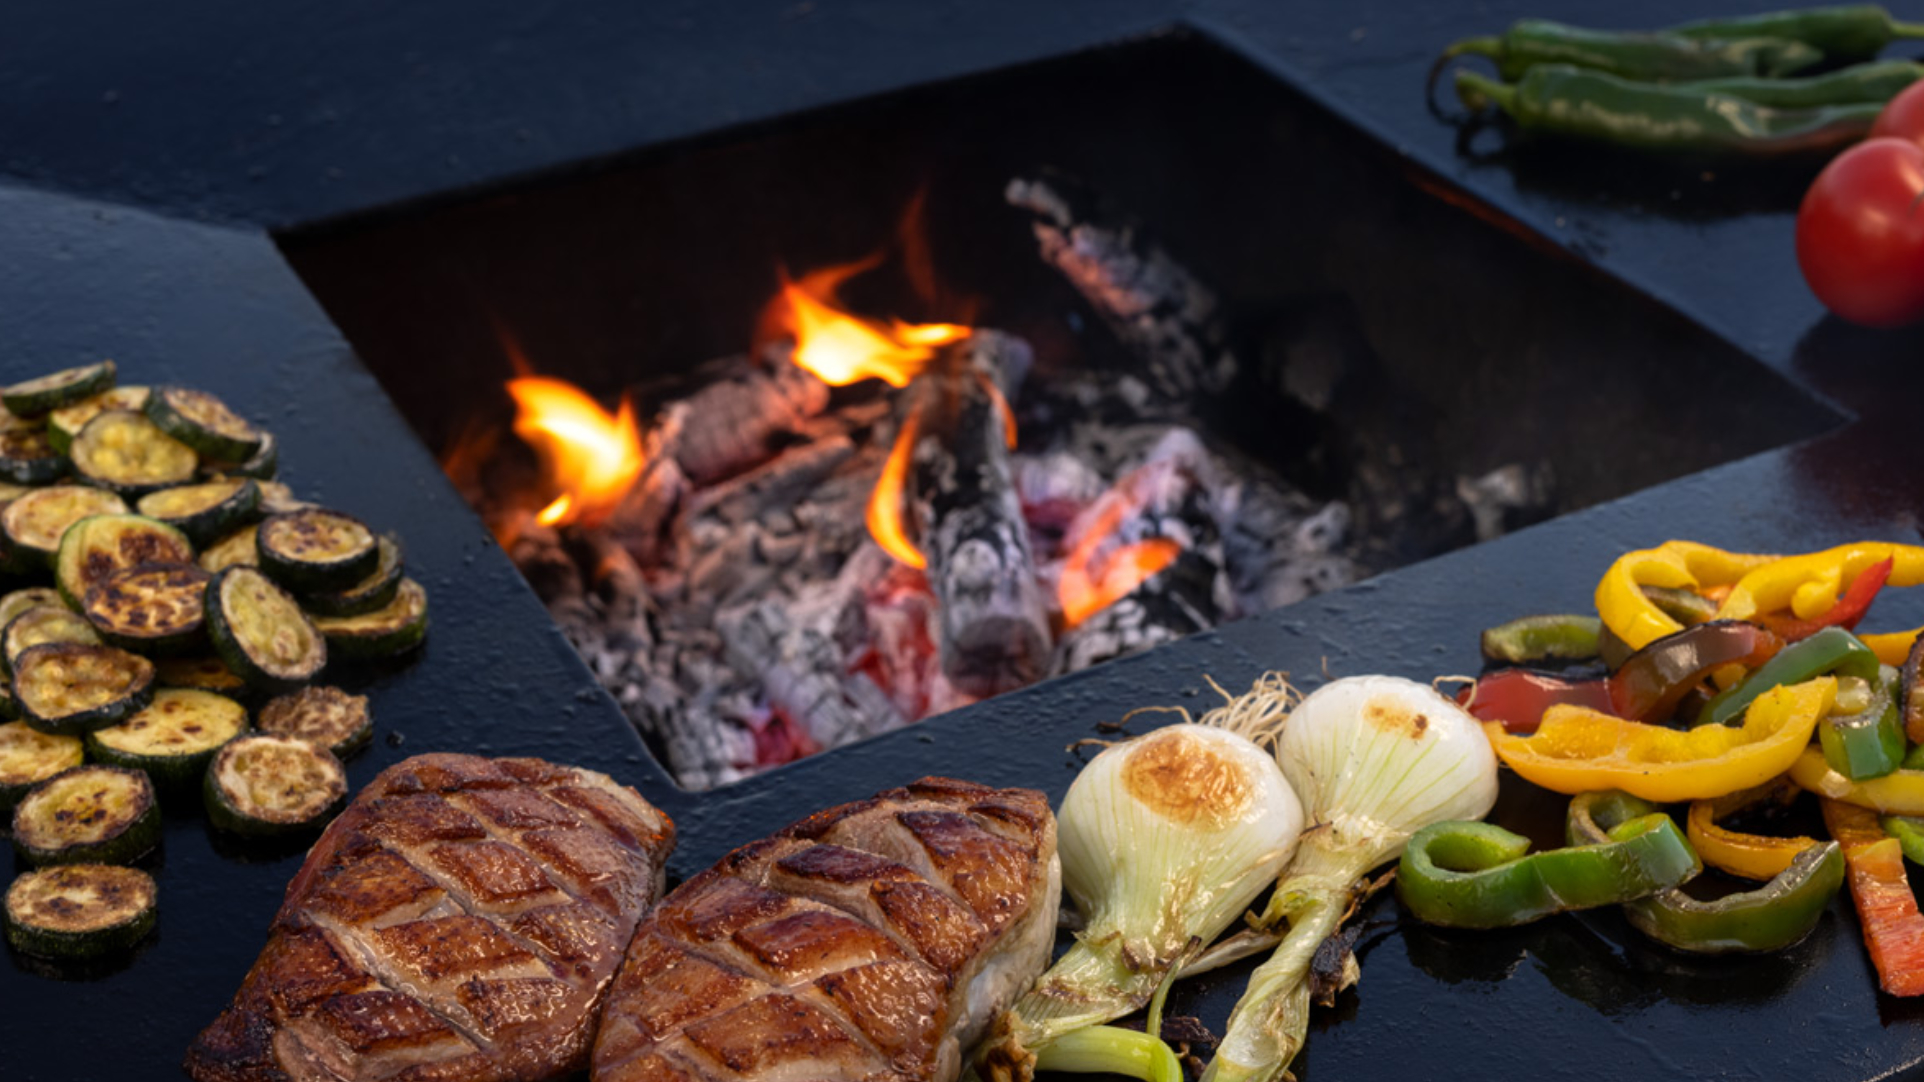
(1845, 614)
(1650, 682)
(1893, 927)
(1518, 697)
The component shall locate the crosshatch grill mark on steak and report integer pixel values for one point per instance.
(873, 940)
(459, 920)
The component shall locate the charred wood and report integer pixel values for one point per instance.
(776, 485)
(802, 675)
(738, 421)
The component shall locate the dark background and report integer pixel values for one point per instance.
(124, 123)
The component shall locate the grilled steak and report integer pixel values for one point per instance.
(873, 941)
(459, 920)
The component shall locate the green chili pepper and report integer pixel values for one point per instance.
(1476, 875)
(1656, 57)
(1863, 737)
(1556, 99)
(1852, 32)
(1832, 650)
(1531, 639)
(1875, 82)
(1909, 832)
(1772, 917)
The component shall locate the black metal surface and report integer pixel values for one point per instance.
(281, 114)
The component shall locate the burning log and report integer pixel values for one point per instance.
(1156, 307)
(735, 422)
(994, 630)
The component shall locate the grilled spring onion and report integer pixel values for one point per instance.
(1375, 758)
(1165, 840)
(77, 911)
(87, 815)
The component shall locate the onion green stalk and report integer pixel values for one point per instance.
(1375, 759)
(1165, 840)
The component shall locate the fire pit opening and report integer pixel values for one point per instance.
(814, 428)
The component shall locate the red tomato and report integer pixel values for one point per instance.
(1903, 118)
(1860, 234)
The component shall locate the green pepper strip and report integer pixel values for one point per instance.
(1842, 33)
(1772, 917)
(1532, 43)
(1556, 99)
(1530, 639)
(1864, 738)
(1909, 832)
(1475, 875)
(1876, 82)
(1832, 650)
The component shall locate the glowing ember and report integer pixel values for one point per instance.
(842, 348)
(885, 503)
(591, 456)
(1100, 570)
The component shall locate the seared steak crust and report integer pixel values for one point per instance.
(867, 942)
(459, 920)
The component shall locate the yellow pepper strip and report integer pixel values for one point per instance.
(1901, 792)
(1892, 648)
(1673, 565)
(1577, 750)
(1776, 585)
(1753, 856)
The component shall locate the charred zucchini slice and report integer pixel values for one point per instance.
(326, 716)
(29, 757)
(262, 466)
(9, 706)
(66, 422)
(370, 594)
(152, 608)
(126, 452)
(99, 546)
(44, 394)
(272, 785)
(207, 511)
(69, 688)
(237, 549)
(173, 739)
(80, 911)
(34, 523)
(33, 597)
(260, 632)
(89, 814)
(41, 625)
(203, 422)
(28, 457)
(203, 673)
(278, 499)
(317, 550)
(398, 628)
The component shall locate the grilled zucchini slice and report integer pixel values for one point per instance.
(237, 549)
(34, 523)
(41, 625)
(203, 422)
(316, 549)
(260, 632)
(28, 457)
(66, 422)
(9, 706)
(173, 739)
(326, 716)
(262, 466)
(99, 546)
(203, 673)
(396, 629)
(207, 511)
(278, 499)
(33, 397)
(33, 597)
(370, 594)
(69, 688)
(264, 785)
(152, 608)
(126, 452)
(80, 911)
(29, 757)
(88, 814)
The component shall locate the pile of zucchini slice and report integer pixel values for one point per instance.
(166, 583)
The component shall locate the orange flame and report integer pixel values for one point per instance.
(885, 503)
(592, 457)
(1095, 577)
(842, 348)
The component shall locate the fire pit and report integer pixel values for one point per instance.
(836, 465)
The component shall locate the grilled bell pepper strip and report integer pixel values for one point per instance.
(1874, 82)
(1881, 890)
(1909, 832)
(1517, 698)
(1832, 650)
(1465, 874)
(1862, 738)
(1893, 647)
(1901, 792)
(1530, 639)
(1772, 917)
(1844, 612)
(1776, 585)
(1842, 33)
(1557, 99)
(1577, 750)
(1675, 565)
(1910, 693)
(1656, 57)
(1752, 856)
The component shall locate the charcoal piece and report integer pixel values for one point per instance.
(737, 421)
(777, 484)
(802, 675)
